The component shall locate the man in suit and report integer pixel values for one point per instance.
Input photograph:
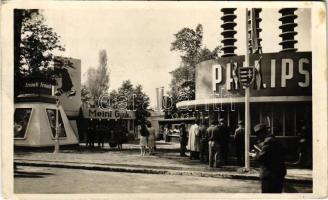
(239, 138)
(224, 141)
(270, 154)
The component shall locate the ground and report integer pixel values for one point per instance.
(60, 180)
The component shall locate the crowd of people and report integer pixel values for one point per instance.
(210, 144)
(101, 133)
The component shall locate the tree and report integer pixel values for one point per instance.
(97, 82)
(131, 98)
(189, 43)
(34, 43)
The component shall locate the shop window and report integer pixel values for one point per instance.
(21, 121)
(266, 114)
(255, 115)
(233, 119)
(289, 120)
(303, 116)
(131, 125)
(277, 121)
(51, 113)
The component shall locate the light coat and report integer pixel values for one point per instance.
(193, 140)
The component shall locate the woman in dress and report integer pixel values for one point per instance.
(151, 138)
(143, 139)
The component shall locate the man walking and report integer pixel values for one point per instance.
(270, 154)
(239, 139)
(213, 143)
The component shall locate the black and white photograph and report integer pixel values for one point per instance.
(137, 98)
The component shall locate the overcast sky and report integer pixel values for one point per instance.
(137, 40)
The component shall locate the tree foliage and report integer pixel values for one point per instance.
(97, 83)
(34, 43)
(131, 98)
(189, 43)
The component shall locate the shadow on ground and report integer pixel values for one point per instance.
(26, 174)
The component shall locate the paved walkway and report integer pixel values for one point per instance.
(165, 161)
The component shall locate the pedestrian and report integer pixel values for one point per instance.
(193, 140)
(270, 153)
(119, 134)
(90, 135)
(101, 135)
(203, 142)
(151, 138)
(183, 139)
(224, 141)
(166, 133)
(213, 144)
(112, 138)
(239, 139)
(143, 139)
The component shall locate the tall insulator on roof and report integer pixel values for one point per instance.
(287, 27)
(228, 32)
(253, 28)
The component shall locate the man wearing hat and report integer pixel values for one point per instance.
(239, 139)
(270, 154)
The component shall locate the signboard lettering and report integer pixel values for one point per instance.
(276, 74)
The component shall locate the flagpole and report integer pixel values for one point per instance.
(247, 107)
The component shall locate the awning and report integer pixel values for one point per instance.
(218, 101)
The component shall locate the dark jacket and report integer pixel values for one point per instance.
(213, 133)
(239, 136)
(271, 158)
(224, 135)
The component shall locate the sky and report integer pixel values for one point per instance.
(138, 39)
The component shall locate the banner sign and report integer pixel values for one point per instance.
(37, 88)
(97, 113)
(276, 74)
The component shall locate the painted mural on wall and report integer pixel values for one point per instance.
(69, 84)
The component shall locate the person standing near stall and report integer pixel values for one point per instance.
(151, 138)
(239, 138)
(193, 140)
(143, 139)
(213, 144)
(203, 142)
(224, 141)
(270, 153)
(183, 140)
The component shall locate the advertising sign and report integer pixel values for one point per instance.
(97, 113)
(69, 84)
(276, 74)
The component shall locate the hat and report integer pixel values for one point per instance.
(240, 122)
(260, 127)
(221, 120)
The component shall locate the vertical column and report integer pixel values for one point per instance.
(228, 32)
(288, 29)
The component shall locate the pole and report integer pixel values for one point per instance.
(57, 127)
(247, 110)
